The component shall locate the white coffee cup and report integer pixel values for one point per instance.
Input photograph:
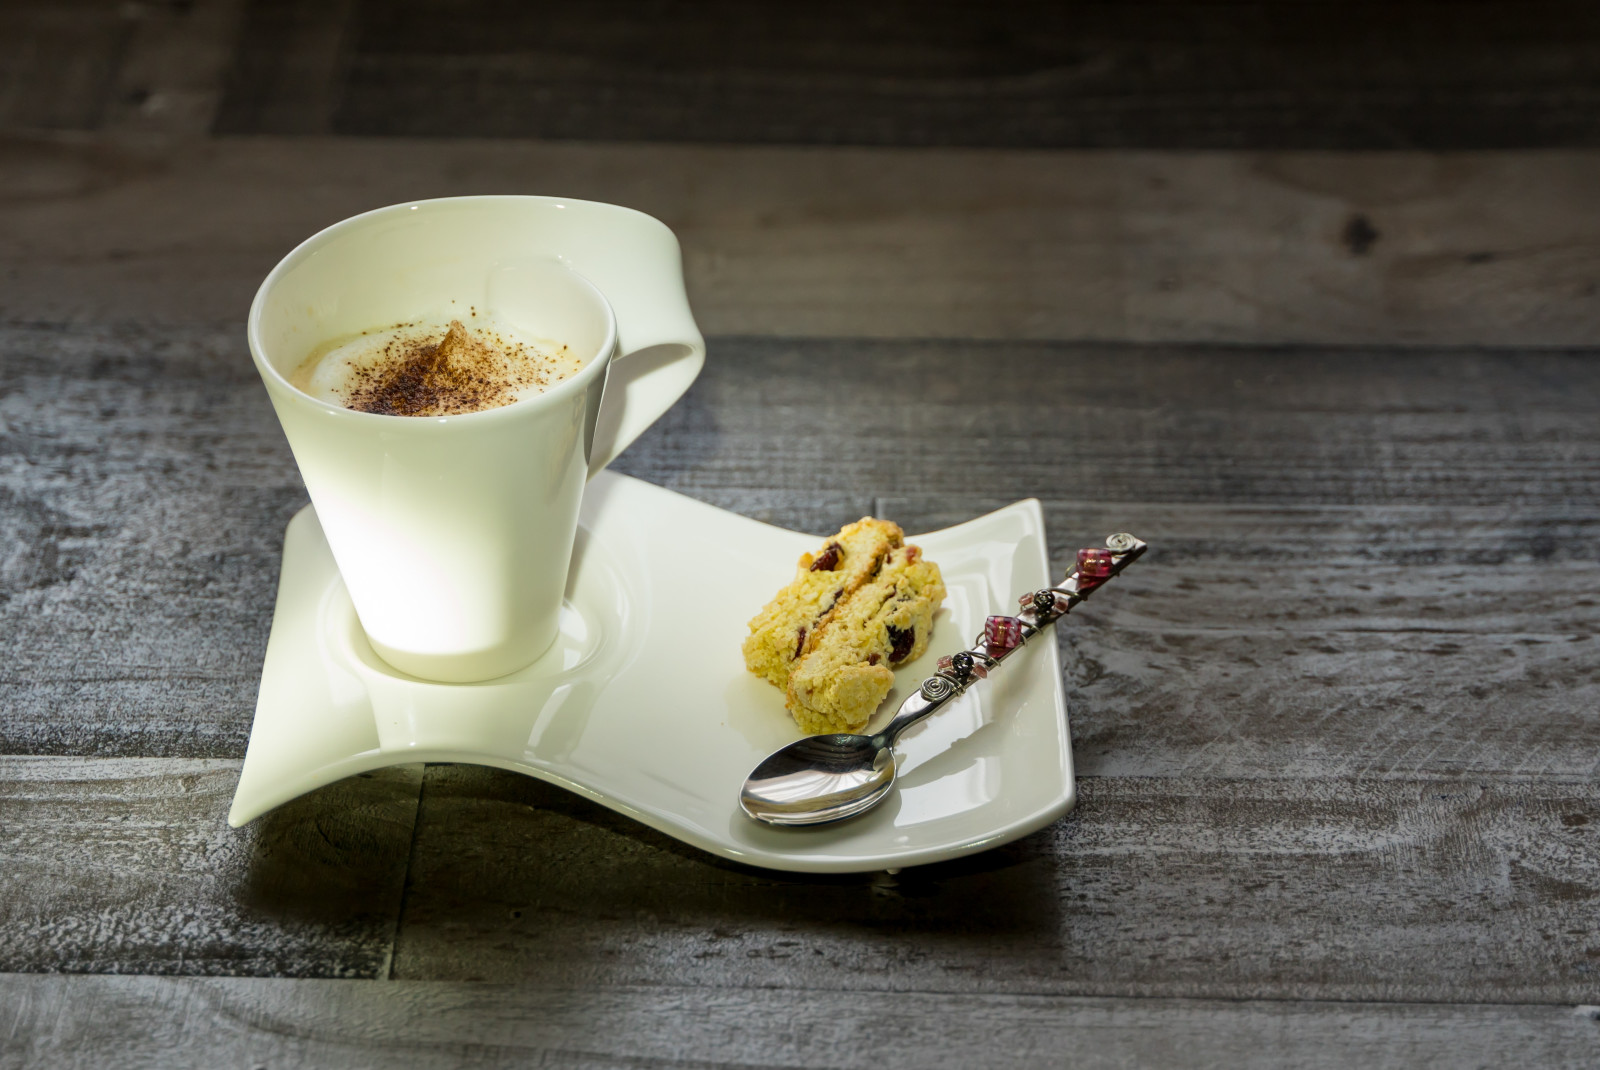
(454, 533)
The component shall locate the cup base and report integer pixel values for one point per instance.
(475, 668)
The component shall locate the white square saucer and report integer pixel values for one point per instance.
(644, 704)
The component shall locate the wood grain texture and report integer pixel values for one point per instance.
(176, 1024)
(284, 73)
(1139, 424)
(145, 491)
(1202, 887)
(60, 62)
(1367, 563)
(169, 80)
(1016, 73)
(1328, 641)
(141, 68)
(1468, 249)
(128, 866)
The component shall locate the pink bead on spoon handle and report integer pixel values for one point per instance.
(822, 779)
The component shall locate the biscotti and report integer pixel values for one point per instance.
(832, 645)
(822, 580)
(844, 672)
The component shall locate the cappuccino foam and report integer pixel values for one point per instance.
(420, 369)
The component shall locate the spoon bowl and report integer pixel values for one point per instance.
(820, 779)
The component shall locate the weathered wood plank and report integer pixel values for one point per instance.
(1401, 248)
(145, 486)
(106, 65)
(169, 81)
(284, 74)
(175, 1024)
(1316, 641)
(1154, 423)
(1020, 73)
(60, 63)
(145, 491)
(128, 866)
(1200, 887)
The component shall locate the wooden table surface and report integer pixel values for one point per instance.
(1325, 339)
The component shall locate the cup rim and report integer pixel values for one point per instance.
(571, 385)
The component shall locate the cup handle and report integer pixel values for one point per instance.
(659, 348)
(641, 384)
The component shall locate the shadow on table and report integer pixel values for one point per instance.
(514, 879)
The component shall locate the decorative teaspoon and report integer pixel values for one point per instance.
(822, 779)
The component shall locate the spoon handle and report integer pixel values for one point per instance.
(1003, 636)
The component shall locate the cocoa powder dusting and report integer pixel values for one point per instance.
(455, 374)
